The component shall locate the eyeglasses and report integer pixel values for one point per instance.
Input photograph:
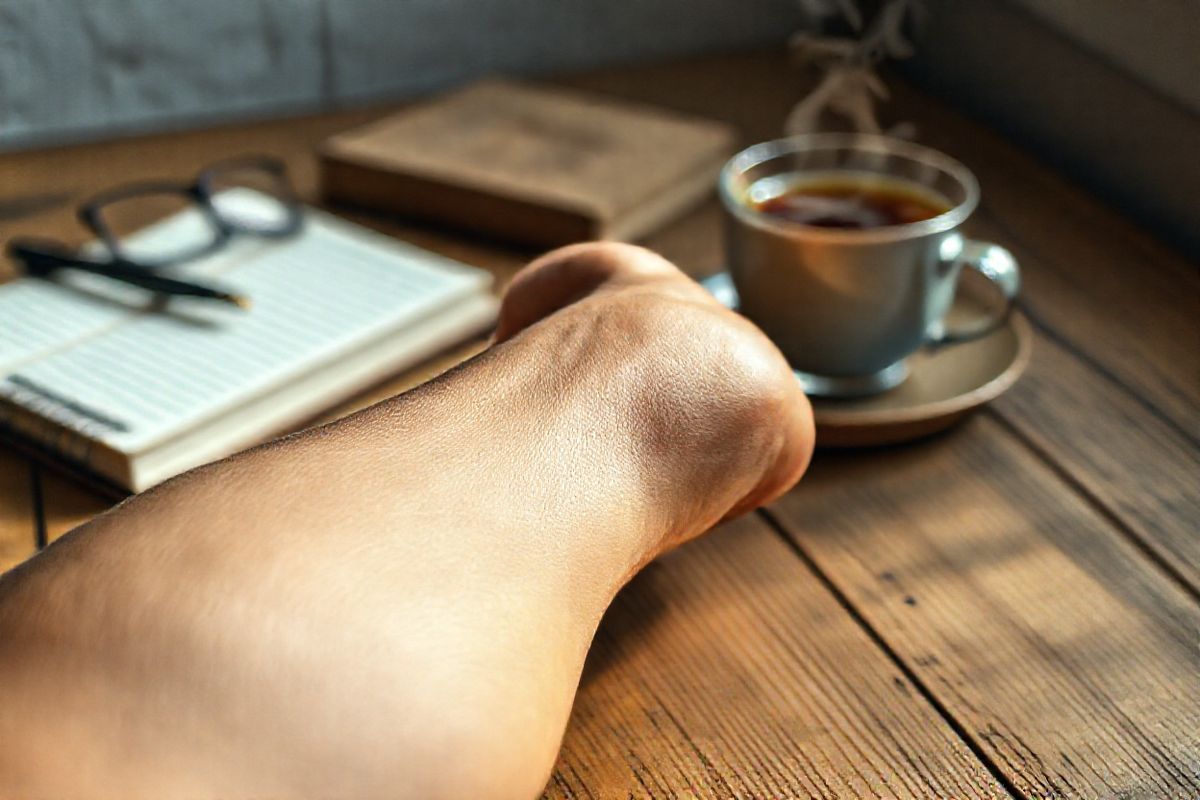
(248, 195)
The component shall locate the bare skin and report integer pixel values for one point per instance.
(399, 604)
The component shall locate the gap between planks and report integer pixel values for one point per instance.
(1052, 332)
(1136, 540)
(37, 500)
(1065, 668)
(922, 688)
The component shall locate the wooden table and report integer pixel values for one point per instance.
(1009, 609)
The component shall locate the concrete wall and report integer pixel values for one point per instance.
(1108, 91)
(78, 69)
(1156, 41)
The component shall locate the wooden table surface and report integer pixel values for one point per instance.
(1011, 609)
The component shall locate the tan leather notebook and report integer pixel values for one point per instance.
(529, 164)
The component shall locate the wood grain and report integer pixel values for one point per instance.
(18, 516)
(1113, 394)
(727, 669)
(1108, 291)
(1132, 462)
(1055, 646)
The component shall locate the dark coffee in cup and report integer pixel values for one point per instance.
(845, 201)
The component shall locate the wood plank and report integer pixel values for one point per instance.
(1136, 324)
(726, 669)
(753, 91)
(1104, 287)
(1133, 462)
(1127, 437)
(18, 519)
(80, 170)
(1069, 660)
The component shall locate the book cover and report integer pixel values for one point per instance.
(531, 165)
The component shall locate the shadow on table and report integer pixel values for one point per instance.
(917, 492)
(626, 626)
(964, 505)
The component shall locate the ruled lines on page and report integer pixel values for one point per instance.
(151, 375)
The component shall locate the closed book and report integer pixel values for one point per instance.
(530, 165)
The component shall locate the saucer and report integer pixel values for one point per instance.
(944, 383)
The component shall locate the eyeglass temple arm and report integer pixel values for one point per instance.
(40, 258)
(43, 257)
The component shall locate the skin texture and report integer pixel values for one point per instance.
(399, 604)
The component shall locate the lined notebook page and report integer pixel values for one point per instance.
(96, 357)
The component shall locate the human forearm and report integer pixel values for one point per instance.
(430, 551)
(400, 603)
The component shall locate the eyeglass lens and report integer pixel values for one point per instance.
(250, 194)
(137, 227)
(251, 197)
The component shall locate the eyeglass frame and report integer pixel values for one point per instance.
(200, 193)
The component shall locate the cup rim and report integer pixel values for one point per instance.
(764, 151)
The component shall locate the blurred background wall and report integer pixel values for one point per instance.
(75, 69)
(1108, 90)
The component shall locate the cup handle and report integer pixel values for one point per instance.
(998, 266)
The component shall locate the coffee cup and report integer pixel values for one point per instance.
(846, 250)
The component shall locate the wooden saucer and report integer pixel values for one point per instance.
(944, 383)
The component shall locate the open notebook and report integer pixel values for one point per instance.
(99, 375)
